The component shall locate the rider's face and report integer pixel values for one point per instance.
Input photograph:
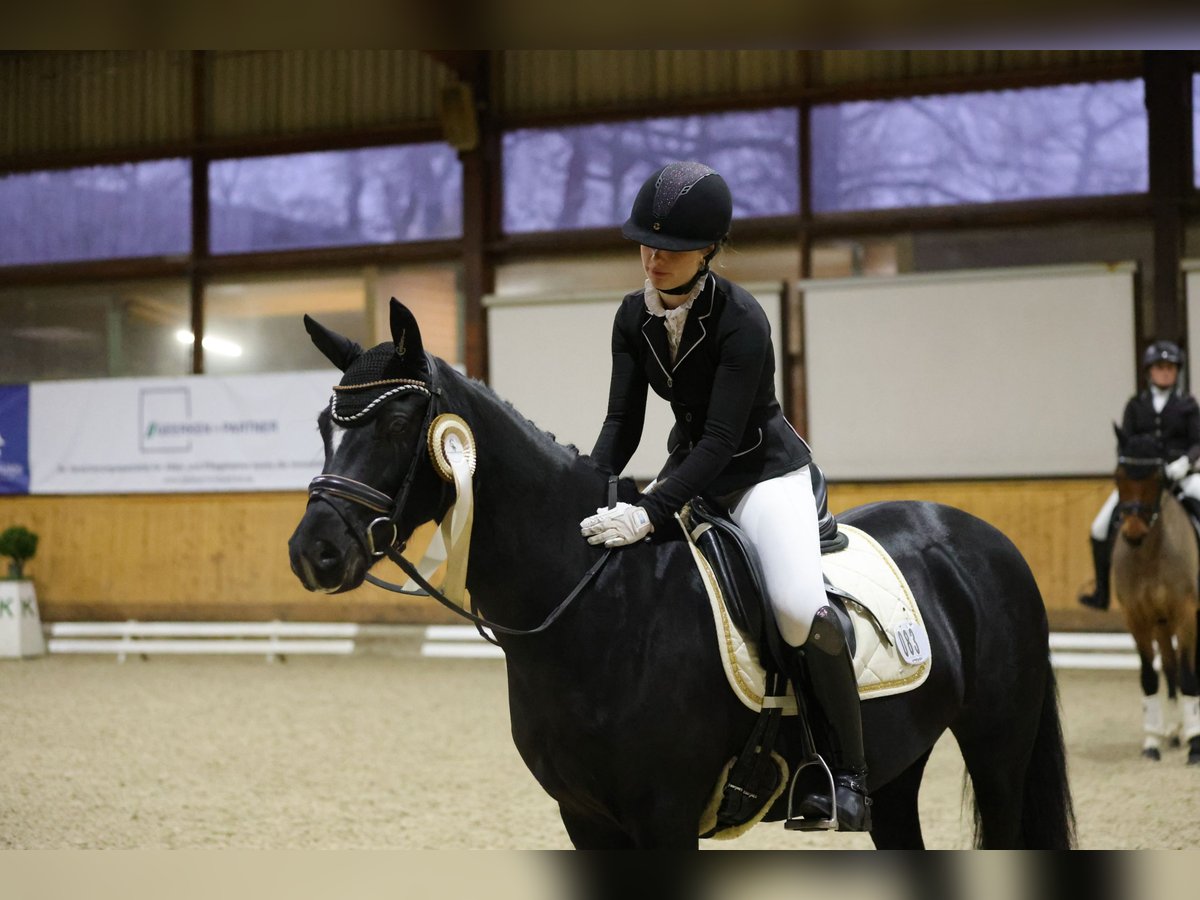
(1163, 374)
(667, 269)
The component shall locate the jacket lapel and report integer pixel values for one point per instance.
(694, 329)
(654, 330)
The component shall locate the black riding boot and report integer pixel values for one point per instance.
(826, 658)
(1102, 558)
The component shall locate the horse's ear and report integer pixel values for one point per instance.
(339, 350)
(406, 336)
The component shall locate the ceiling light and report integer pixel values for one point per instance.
(219, 346)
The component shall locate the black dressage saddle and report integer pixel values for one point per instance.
(736, 565)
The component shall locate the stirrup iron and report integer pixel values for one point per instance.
(800, 823)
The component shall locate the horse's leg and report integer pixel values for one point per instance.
(1170, 671)
(1152, 710)
(1189, 682)
(591, 833)
(667, 831)
(895, 817)
(996, 761)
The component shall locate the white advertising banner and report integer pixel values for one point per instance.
(169, 435)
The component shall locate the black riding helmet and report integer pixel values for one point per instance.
(1162, 351)
(682, 206)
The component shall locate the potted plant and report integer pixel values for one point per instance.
(20, 622)
(19, 544)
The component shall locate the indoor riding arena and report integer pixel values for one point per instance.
(962, 257)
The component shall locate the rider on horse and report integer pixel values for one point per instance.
(1172, 416)
(704, 344)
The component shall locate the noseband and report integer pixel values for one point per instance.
(1148, 513)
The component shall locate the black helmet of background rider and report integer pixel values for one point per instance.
(1164, 351)
(682, 206)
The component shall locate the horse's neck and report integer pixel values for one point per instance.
(1175, 529)
(530, 495)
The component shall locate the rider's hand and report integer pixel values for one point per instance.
(616, 527)
(1178, 468)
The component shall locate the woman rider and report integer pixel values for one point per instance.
(704, 344)
(1172, 416)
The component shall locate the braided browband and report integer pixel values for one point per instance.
(402, 384)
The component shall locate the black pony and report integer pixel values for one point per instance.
(619, 706)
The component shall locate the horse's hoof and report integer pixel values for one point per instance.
(1193, 759)
(1175, 743)
(1152, 753)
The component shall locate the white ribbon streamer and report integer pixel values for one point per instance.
(451, 543)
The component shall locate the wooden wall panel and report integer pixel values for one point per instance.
(188, 556)
(1048, 520)
(210, 556)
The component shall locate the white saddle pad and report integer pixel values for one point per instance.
(866, 572)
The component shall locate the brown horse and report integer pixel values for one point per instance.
(1155, 568)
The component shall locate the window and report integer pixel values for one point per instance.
(376, 196)
(1066, 141)
(1196, 129)
(433, 294)
(587, 176)
(99, 212)
(257, 324)
(93, 332)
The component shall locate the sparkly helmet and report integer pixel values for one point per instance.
(682, 206)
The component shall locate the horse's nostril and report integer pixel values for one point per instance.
(327, 554)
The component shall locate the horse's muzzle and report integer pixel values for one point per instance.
(1133, 540)
(323, 565)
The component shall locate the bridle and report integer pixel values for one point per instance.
(375, 540)
(390, 508)
(1148, 513)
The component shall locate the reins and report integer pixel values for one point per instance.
(329, 487)
(428, 590)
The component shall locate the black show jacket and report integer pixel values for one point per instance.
(729, 431)
(1177, 427)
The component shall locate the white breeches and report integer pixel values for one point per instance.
(1190, 487)
(1100, 524)
(779, 517)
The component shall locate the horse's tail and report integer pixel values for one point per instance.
(1047, 813)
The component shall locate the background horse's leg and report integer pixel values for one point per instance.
(1170, 671)
(1152, 709)
(1189, 682)
(895, 816)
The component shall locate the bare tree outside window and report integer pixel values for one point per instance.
(373, 196)
(587, 176)
(1067, 141)
(99, 212)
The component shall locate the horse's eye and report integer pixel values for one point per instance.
(397, 426)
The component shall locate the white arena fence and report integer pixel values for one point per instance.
(274, 640)
(1068, 650)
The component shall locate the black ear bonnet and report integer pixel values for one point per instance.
(377, 375)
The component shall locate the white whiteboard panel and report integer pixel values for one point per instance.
(1004, 372)
(551, 357)
(1191, 269)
